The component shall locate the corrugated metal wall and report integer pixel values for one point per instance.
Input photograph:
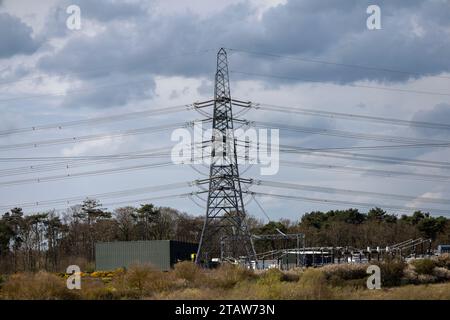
(122, 254)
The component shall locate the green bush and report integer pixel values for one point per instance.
(424, 266)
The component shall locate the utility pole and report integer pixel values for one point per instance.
(225, 218)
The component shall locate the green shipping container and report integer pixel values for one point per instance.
(162, 254)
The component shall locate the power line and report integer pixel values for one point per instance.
(350, 116)
(376, 172)
(83, 174)
(349, 84)
(349, 203)
(265, 213)
(100, 196)
(381, 147)
(344, 134)
(97, 120)
(131, 155)
(50, 142)
(54, 166)
(370, 158)
(182, 195)
(144, 154)
(295, 186)
(334, 63)
(88, 173)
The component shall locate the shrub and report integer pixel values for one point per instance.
(228, 275)
(443, 261)
(94, 289)
(424, 266)
(345, 271)
(313, 285)
(441, 273)
(192, 294)
(291, 275)
(187, 271)
(426, 278)
(40, 285)
(410, 275)
(271, 277)
(392, 272)
(140, 281)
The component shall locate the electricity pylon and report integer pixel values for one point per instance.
(225, 220)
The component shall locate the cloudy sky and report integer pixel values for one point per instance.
(131, 56)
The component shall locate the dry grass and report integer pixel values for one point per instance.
(142, 281)
(187, 281)
(227, 276)
(439, 291)
(40, 285)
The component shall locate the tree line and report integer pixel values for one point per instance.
(52, 241)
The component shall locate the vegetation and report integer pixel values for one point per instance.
(51, 241)
(187, 281)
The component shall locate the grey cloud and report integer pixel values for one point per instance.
(311, 29)
(137, 41)
(206, 87)
(108, 10)
(15, 37)
(110, 93)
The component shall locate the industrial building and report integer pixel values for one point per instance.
(161, 254)
(443, 248)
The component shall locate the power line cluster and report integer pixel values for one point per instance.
(336, 152)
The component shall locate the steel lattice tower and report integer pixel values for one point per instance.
(225, 213)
